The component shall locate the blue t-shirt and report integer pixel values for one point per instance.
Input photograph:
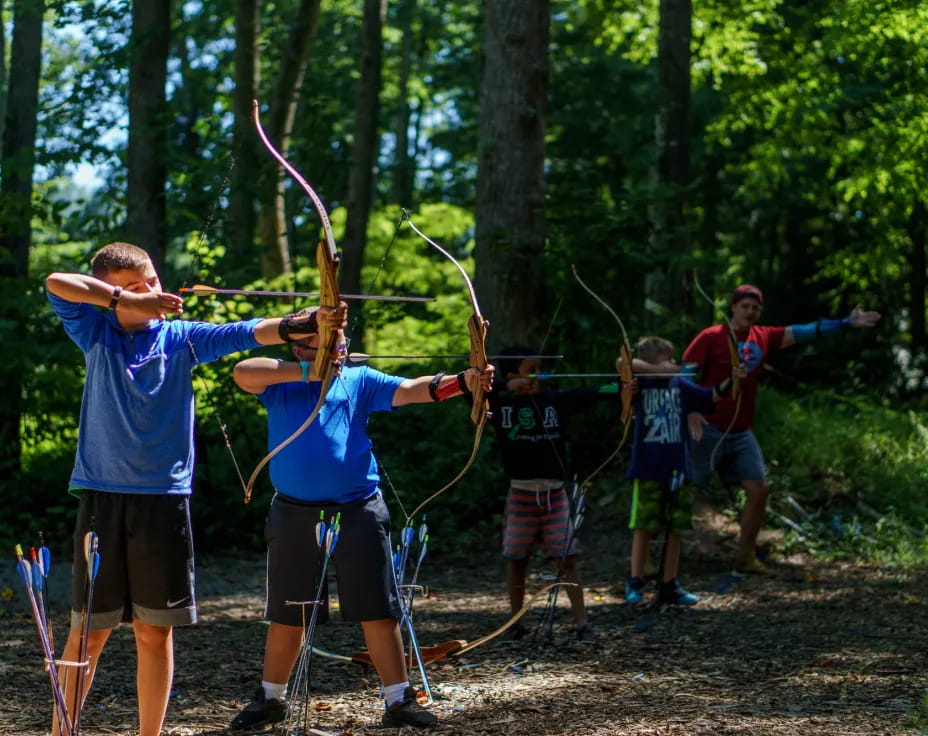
(333, 460)
(137, 412)
(661, 446)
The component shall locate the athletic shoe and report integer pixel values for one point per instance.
(672, 593)
(750, 565)
(516, 632)
(634, 590)
(260, 712)
(408, 712)
(585, 634)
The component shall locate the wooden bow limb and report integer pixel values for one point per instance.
(625, 374)
(454, 648)
(735, 359)
(477, 332)
(327, 260)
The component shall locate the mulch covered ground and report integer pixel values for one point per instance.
(828, 649)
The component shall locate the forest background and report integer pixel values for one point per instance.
(778, 142)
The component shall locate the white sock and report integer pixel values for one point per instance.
(393, 693)
(273, 691)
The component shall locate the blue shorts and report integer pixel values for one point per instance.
(737, 459)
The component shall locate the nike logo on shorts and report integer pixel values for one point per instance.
(174, 604)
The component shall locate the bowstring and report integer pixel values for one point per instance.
(370, 290)
(192, 271)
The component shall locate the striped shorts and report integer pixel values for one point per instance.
(541, 516)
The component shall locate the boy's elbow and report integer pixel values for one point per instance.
(241, 374)
(53, 283)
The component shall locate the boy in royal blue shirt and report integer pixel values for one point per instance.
(331, 468)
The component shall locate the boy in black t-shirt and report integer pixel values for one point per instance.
(530, 426)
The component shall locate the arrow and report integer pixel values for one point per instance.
(361, 357)
(92, 560)
(546, 376)
(61, 709)
(204, 290)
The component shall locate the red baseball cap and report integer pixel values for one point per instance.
(747, 291)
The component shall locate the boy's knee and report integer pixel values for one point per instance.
(151, 636)
(757, 489)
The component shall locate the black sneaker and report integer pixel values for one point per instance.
(408, 712)
(516, 632)
(260, 712)
(672, 593)
(585, 634)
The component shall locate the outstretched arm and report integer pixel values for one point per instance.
(798, 334)
(424, 389)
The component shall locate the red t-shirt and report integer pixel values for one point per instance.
(709, 350)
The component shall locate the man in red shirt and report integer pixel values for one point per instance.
(723, 441)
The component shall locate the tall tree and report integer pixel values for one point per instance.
(510, 218)
(2, 71)
(365, 148)
(670, 235)
(18, 163)
(148, 133)
(242, 213)
(404, 163)
(275, 254)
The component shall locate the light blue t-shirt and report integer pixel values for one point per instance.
(137, 412)
(333, 460)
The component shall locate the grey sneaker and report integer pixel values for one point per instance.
(585, 634)
(260, 712)
(408, 712)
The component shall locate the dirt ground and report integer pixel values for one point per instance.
(832, 649)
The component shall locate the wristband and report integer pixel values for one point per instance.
(304, 367)
(117, 291)
(291, 325)
(452, 388)
(433, 385)
(462, 383)
(812, 331)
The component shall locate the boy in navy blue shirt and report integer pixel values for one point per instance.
(661, 467)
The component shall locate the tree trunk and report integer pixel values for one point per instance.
(3, 77)
(666, 284)
(510, 219)
(275, 254)
(16, 202)
(363, 156)
(243, 217)
(404, 164)
(917, 227)
(148, 135)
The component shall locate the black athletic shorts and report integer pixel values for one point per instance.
(146, 571)
(362, 561)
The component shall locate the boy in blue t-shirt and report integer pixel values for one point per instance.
(135, 455)
(331, 468)
(661, 466)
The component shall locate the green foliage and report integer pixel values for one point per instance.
(808, 155)
(918, 717)
(858, 489)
